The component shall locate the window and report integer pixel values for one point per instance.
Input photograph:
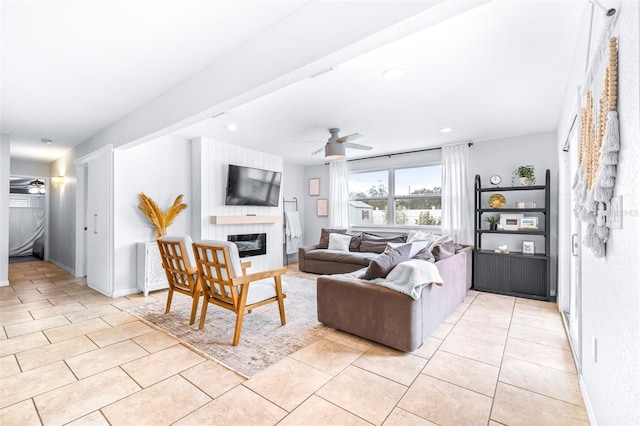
(416, 196)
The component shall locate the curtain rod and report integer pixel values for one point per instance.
(398, 153)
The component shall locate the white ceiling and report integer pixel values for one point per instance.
(498, 70)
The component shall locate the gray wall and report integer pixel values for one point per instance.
(501, 157)
(31, 169)
(312, 222)
(293, 185)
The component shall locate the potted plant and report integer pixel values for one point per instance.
(526, 174)
(493, 222)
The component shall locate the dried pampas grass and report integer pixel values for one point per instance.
(160, 221)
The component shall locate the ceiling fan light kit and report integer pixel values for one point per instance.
(335, 148)
(334, 151)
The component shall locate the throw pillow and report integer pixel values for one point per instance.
(419, 236)
(440, 239)
(444, 250)
(383, 264)
(339, 242)
(356, 239)
(416, 246)
(324, 236)
(425, 254)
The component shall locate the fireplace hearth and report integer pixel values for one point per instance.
(250, 244)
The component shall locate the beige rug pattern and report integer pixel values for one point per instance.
(263, 341)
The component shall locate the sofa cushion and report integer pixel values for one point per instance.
(377, 243)
(357, 258)
(383, 264)
(324, 236)
(339, 242)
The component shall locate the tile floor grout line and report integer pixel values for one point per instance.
(504, 349)
(541, 394)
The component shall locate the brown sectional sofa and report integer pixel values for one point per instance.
(384, 315)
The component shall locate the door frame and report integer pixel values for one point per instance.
(82, 188)
(565, 252)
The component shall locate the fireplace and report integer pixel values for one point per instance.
(250, 244)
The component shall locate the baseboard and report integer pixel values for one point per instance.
(4, 283)
(587, 403)
(125, 292)
(64, 267)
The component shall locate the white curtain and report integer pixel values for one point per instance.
(457, 194)
(338, 195)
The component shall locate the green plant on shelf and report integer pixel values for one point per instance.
(493, 220)
(526, 174)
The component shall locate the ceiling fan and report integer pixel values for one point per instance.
(336, 145)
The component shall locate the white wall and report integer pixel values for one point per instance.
(501, 157)
(214, 158)
(160, 169)
(610, 286)
(4, 209)
(62, 215)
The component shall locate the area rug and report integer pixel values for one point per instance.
(263, 341)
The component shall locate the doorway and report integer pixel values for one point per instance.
(28, 218)
(570, 256)
(94, 220)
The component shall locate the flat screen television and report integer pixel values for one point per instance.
(247, 186)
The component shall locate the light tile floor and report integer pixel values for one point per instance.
(70, 355)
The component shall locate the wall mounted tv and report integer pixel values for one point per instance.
(247, 186)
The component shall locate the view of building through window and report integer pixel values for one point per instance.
(414, 192)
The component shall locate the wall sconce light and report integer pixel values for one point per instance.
(57, 181)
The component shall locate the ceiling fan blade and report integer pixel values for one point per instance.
(357, 146)
(348, 138)
(317, 151)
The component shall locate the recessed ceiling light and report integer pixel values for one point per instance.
(46, 141)
(394, 74)
(446, 130)
(232, 127)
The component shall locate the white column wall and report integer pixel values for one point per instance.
(160, 169)
(215, 157)
(610, 285)
(5, 140)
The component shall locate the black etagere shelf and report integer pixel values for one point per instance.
(512, 273)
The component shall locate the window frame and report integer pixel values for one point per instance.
(392, 198)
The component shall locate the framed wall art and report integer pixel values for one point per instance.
(528, 247)
(322, 207)
(529, 223)
(314, 186)
(510, 222)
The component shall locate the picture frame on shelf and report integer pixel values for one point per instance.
(510, 222)
(322, 207)
(314, 186)
(529, 223)
(528, 247)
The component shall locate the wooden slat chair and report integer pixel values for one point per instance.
(225, 282)
(182, 273)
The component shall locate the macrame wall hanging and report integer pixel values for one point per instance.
(599, 141)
